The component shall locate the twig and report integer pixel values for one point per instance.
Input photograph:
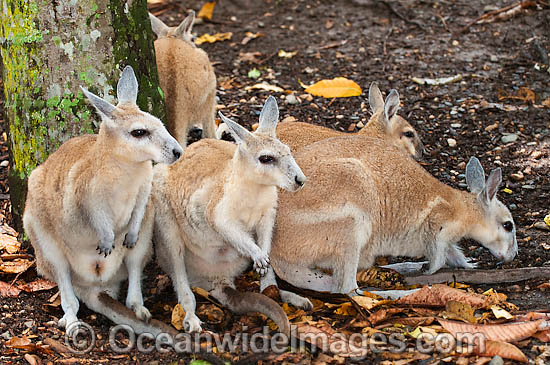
(481, 276)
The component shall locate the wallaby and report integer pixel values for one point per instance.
(187, 79)
(384, 124)
(214, 214)
(366, 199)
(85, 205)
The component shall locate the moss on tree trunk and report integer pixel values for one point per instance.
(49, 49)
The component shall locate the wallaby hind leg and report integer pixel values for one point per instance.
(170, 251)
(135, 261)
(60, 270)
(302, 276)
(208, 124)
(345, 272)
(286, 296)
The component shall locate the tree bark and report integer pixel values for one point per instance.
(49, 49)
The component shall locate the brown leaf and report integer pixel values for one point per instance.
(7, 290)
(57, 346)
(18, 342)
(523, 94)
(37, 285)
(546, 102)
(212, 312)
(178, 314)
(507, 332)
(413, 321)
(207, 10)
(9, 244)
(459, 311)
(502, 349)
(543, 336)
(32, 359)
(439, 295)
(16, 266)
(382, 315)
(250, 57)
(272, 292)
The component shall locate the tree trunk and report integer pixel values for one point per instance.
(49, 49)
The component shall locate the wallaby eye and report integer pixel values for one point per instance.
(266, 159)
(508, 226)
(139, 133)
(408, 134)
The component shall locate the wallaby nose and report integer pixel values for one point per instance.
(177, 153)
(300, 180)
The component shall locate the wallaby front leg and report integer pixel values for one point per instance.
(102, 222)
(264, 233)
(455, 258)
(437, 255)
(137, 215)
(244, 244)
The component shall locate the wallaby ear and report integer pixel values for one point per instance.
(475, 176)
(104, 108)
(391, 106)
(376, 100)
(493, 182)
(159, 28)
(239, 133)
(127, 87)
(183, 31)
(269, 117)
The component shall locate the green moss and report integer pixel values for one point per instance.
(132, 44)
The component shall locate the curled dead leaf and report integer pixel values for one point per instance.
(439, 295)
(507, 332)
(9, 244)
(339, 87)
(37, 285)
(502, 349)
(16, 266)
(266, 87)
(7, 290)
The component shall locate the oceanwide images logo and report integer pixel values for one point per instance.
(81, 338)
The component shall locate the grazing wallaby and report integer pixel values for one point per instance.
(365, 199)
(214, 214)
(187, 79)
(384, 124)
(85, 205)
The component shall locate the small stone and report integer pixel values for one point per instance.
(6, 335)
(339, 116)
(494, 58)
(456, 125)
(360, 125)
(291, 99)
(513, 206)
(462, 185)
(261, 24)
(455, 43)
(451, 142)
(288, 119)
(29, 324)
(514, 289)
(508, 138)
(528, 187)
(4, 163)
(518, 176)
(491, 127)
(351, 127)
(542, 226)
(497, 360)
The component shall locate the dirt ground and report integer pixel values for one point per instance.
(489, 113)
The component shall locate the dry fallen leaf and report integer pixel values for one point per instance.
(543, 336)
(250, 36)
(507, 332)
(37, 285)
(439, 295)
(207, 38)
(524, 94)
(266, 87)
(346, 309)
(339, 87)
(178, 314)
(284, 54)
(500, 313)
(546, 102)
(212, 312)
(207, 10)
(459, 311)
(7, 290)
(9, 244)
(16, 266)
(502, 349)
(250, 57)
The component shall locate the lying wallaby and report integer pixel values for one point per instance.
(214, 213)
(384, 124)
(187, 79)
(85, 205)
(365, 199)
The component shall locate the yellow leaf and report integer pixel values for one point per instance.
(366, 302)
(207, 38)
(507, 191)
(285, 54)
(346, 309)
(547, 219)
(338, 87)
(417, 332)
(500, 313)
(178, 314)
(207, 10)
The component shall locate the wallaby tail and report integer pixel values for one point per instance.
(120, 314)
(244, 302)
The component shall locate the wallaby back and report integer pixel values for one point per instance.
(384, 124)
(187, 79)
(365, 199)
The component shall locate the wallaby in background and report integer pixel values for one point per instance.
(85, 205)
(365, 199)
(384, 124)
(187, 79)
(214, 214)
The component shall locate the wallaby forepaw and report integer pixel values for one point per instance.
(296, 300)
(130, 240)
(142, 313)
(261, 264)
(192, 323)
(105, 248)
(470, 265)
(67, 321)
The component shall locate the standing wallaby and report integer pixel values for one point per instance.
(214, 214)
(85, 205)
(365, 199)
(187, 79)
(384, 124)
